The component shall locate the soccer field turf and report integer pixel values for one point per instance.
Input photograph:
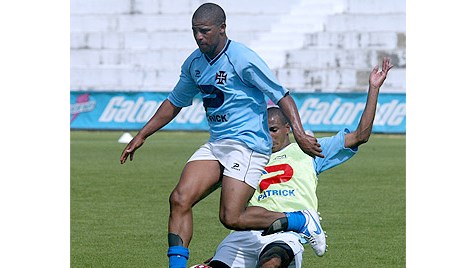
(119, 213)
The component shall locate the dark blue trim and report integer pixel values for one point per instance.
(238, 74)
(211, 62)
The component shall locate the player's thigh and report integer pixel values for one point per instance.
(240, 178)
(199, 178)
(234, 197)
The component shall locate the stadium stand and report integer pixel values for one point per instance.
(312, 46)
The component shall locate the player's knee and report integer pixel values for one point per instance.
(276, 254)
(230, 220)
(178, 200)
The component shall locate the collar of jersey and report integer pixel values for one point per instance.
(285, 148)
(212, 61)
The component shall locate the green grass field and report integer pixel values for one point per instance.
(119, 213)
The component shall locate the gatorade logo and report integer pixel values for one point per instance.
(121, 110)
(314, 111)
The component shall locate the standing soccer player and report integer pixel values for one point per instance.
(232, 81)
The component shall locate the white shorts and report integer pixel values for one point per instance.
(239, 161)
(241, 249)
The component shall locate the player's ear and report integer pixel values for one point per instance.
(288, 128)
(222, 28)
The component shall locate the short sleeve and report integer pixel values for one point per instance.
(334, 150)
(185, 89)
(258, 74)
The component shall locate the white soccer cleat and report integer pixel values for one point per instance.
(313, 232)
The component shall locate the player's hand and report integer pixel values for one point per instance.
(377, 77)
(133, 145)
(309, 145)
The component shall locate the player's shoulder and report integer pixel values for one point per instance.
(238, 51)
(195, 55)
(237, 46)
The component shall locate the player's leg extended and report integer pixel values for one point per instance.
(235, 214)
(198, 179)
(242, 169)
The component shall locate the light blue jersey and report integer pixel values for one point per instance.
(233, 86)
(334, 150)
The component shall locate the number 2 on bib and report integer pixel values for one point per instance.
(281, 172)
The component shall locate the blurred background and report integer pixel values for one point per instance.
(312, 46)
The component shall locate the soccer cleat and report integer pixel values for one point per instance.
(313, 233)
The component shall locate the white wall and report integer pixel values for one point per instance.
(326, 45)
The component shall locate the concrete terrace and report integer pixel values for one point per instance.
(312, 46)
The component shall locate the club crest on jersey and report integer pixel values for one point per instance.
(220, 77)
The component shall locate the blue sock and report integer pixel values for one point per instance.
(296, 221)
(178, 256)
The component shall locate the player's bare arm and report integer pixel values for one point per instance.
(166, 112)
(308, 144)
(364, 129)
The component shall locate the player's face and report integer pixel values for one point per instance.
(209, 36)
(279, 132)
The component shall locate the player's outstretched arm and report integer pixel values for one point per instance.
(166, 112)
(308, 144)
(364, 129)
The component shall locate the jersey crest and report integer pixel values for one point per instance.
(220, 77)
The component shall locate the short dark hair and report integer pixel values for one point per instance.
(276, 111)
(210, 11)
